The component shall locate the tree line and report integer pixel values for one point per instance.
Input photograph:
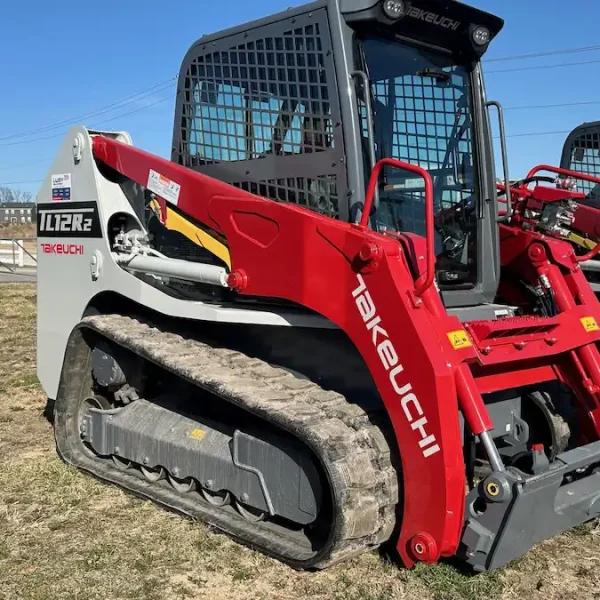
(13, 195)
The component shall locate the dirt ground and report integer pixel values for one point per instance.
(65, 536)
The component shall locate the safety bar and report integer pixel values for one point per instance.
(429, 216)
(504, 151)
(364, 80)
(560, 171)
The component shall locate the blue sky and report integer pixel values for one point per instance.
(67, 58)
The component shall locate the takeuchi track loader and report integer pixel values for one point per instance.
(313, 328)
(572, 212)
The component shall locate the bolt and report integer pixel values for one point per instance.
(209, 484)
(369, 252)
(245, 497)
(493, 489)
(237, 280)
(519, 345)
(486, 350)
(424, 548)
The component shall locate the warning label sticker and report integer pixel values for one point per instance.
(589, 324)
(163, 187)
(61, 187)
(459, 339)
(197, 434)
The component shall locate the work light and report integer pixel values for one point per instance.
(481, 36)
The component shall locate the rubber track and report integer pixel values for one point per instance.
(352, 449)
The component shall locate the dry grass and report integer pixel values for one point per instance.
(64, 535)
(17, 230)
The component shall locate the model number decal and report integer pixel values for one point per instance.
(413, 411)
(79, 220)
(71, 222)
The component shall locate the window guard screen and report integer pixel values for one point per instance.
(259, 110)
(422, 115)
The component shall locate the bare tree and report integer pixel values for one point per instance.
(13, 195)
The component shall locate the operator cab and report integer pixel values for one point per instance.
(298, 107)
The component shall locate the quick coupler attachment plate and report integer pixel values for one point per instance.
(509, 512)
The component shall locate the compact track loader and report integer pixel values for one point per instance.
(573, 213)
(310, 328)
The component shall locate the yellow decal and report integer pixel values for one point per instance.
(589, 324)
(197, 434)
(459, 339)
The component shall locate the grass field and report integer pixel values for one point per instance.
(64, 535)
(18, 230)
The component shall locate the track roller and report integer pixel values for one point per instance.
(121, 463)
(222, 498)
(153, 475)
(251, 514)
(183, 486)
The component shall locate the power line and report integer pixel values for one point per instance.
(27, 164)
(512, 135)
(541, 54)
(20, 182)
(131, 112)
(575, 64)
(159, 87)
(55, 135)
(538, 133)
(536, 106)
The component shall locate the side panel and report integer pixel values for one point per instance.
(72, 234)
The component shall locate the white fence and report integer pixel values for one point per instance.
(17, 255)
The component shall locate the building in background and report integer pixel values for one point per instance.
(17, 212)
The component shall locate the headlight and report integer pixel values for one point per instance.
(481, 36)
(394, 9)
